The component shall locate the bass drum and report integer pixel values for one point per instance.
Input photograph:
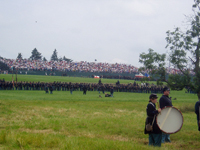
(170, 120)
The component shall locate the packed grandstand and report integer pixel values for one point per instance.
(82, 66)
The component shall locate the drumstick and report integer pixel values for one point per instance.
(165, 117)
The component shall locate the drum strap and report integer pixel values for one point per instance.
(154, 115)
(152, 104)
(153, 120)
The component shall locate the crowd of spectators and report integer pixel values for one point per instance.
(82, 66)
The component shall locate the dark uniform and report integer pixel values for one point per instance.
(84, 89)
(111, 91)
(155, 136)
(46, 88)
(51, 89)
(165, 101)
(197, 105)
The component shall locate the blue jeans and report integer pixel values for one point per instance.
(165, 138)
(155, 139)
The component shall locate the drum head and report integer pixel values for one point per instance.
(170, 120)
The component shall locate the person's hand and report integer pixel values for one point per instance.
(159, 110)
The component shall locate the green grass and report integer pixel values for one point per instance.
(8, 77)
(35, 120)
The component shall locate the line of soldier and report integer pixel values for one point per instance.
(68, 86)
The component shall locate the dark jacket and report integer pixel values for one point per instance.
(151, 112)
(197, 111)
(165, 101)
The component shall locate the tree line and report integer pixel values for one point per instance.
(36, 55)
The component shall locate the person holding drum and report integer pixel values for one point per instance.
(165, 101)
(197, 111)
(155, 135)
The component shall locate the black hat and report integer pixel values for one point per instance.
(166, 89)
(153, 96)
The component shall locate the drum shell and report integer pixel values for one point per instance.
(170, 120)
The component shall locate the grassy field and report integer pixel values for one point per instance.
(8, 77)
(35, 120)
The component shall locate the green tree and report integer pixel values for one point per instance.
(44, 59)
(155, 63)
(67, 59)
(19, 56)
(54, 55)
(184, 53)
(35, 55)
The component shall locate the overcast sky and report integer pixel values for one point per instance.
(113, 31)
